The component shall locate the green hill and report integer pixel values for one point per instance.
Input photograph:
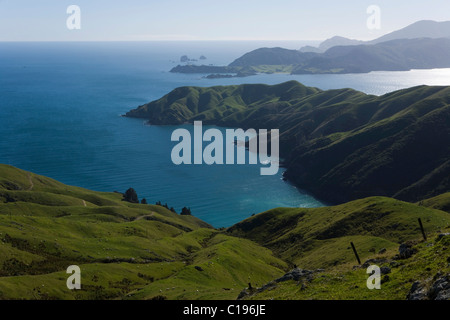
(123, 249)
(317, 243)
(135, 251)
(427, 271)
(320, 237)
(340, 145)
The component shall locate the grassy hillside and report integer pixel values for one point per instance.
(321, 237)
(318, 240)
(123, 249)
(221, 104)
(348, 281)
(441, 202)
(133, 251)
(340, 145)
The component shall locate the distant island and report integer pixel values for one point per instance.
(422, 45)
(185, 58)
(340, 145)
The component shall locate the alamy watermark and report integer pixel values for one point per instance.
(374, 20)
(73, 22)
(219, 153)
(374, 281)
(74, 281)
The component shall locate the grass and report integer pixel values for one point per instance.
(124, 250)
(134, 251)
(348, 282)
(441, 202)
(320, 237)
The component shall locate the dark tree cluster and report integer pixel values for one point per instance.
(131, 196)
(186, 212)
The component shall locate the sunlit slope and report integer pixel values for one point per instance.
(133, 251)
(123, 249)
(428, 266)
(321, 237)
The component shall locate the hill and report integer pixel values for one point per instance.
(422, 276)
(272, 56)
(419, 29)
(124, 250)
(385, 233)
(338, 41)
(134, 251)
(340, 145)
(319, 238)
(394, 55)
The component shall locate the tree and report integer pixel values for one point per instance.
(173, 210)
(131, 196)
(144, 201)
(186, 211)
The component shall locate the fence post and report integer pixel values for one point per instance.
(423, 230)
(356, 253)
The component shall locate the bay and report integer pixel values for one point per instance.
(60, 116)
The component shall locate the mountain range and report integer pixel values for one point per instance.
(394, 55)
(423, 45)
(419, 29)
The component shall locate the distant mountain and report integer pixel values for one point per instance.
(272, 56)
(394, 55)
(419, 29)
(310, 49)
(338, 41)
(340, 145)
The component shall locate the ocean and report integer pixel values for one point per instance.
(60, 116)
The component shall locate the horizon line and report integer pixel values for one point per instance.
(170, 40)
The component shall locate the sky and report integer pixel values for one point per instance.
(143, 20)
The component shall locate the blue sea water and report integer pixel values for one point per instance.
(60, 107)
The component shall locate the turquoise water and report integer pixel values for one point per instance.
(60, 107)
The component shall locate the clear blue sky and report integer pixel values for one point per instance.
(110, 20)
